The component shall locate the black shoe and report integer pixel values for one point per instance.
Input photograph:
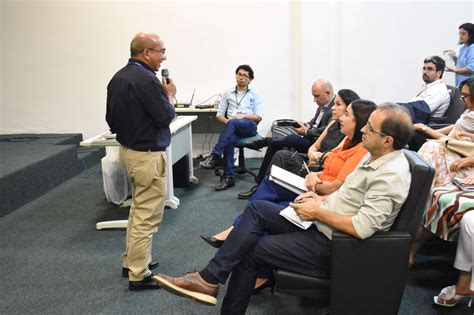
(210, 162)
(248, 194)
(145, 284)
(214, 242)
(258, 144)
(151, 266)
(268, 284)
(226, 183)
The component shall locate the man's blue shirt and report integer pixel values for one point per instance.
(234, 102)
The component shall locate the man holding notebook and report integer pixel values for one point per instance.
(367, 202)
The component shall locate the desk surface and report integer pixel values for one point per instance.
(106, 138)
(195, 110)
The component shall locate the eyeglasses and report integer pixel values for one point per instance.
(371, 129)
(242, 75)
(163, 50)
(463, 97)
(428, 69)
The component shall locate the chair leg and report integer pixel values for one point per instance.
(241, 169)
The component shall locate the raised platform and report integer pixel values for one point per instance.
(33, 164)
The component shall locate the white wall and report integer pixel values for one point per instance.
(377, 48)
(57, 57)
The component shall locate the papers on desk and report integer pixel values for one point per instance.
(110, 136)
(104, 141)
(287, 180)
(290, 214)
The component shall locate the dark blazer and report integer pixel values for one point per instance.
(314, 132)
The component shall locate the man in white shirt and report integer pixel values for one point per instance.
(434, 93)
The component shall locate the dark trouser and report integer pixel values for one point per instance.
(274, 193)
(234, 130)
(248, 249)
(416, 141)
(299, 143)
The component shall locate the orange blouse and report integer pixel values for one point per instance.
(341, 163)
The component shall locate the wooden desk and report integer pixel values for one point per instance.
(181, 145)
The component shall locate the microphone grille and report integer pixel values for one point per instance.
(165, 73)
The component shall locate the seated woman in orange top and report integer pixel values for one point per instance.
(340, 162)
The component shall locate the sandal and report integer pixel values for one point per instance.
(448, 297)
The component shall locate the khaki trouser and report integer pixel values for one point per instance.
(147, 174)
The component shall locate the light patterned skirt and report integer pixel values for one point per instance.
(446, 208)
(440, 158)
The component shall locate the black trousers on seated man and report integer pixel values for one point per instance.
(264, 239)
(299, 143)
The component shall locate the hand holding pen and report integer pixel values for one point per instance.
(312, 179)
(306, 206)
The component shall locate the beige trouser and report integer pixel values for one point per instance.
(465, 251)
(147, 174)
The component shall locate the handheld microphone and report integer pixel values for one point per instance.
(166, 74)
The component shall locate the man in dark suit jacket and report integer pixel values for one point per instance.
(305, 135)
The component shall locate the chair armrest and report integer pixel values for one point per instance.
(437, 120)
(438, 126)
(374, 269)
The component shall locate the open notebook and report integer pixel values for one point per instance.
(290, 214)
(287, 180)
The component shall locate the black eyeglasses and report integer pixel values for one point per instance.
(463, 97)
(163, 50)
(428, 69)
(242, 75)
(371, 129)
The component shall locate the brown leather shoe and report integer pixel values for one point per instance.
(192, 285)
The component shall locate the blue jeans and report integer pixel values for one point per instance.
(234, 130)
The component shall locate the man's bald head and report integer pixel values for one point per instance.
(141, 41)
(322, 92)
(323, 84)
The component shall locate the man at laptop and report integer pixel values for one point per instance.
(367, 202)
(240, 111)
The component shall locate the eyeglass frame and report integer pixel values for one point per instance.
(429, 69)
(463, 97)
(371, 129)
(238, 74)
(162, 50)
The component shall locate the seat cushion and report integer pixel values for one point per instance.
(297, 284)
(242, 142)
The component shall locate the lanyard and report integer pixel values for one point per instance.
(135, 63)
(238, 103)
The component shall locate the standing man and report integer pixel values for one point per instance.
(306, 134)
(367, 202)
(240, 110)
(139, 111)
